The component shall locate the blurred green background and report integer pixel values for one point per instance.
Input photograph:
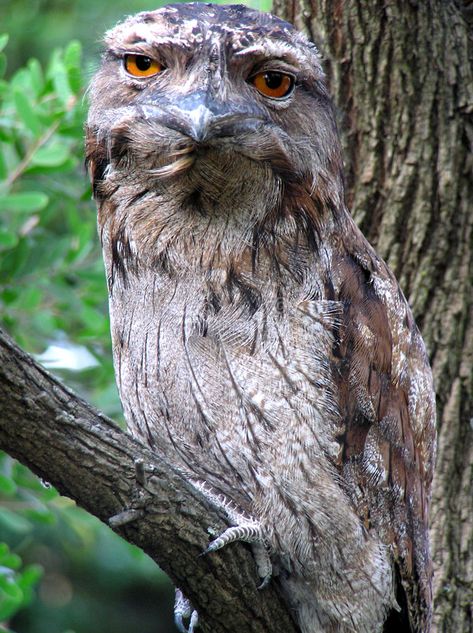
(61, 571)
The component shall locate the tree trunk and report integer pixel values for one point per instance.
(401, 76)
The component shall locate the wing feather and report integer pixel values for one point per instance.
(387, 406)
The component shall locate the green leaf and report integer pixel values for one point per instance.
(73, 54)
(7, 239)
(11, 560)
(27, 581)
(25, 202)
(29, 298)
(14, 522)
(14, 261)
(30, 576)
(10, 588)
(36, 74)
(3, 64)
(94, 321)
(5, 135)
(9, 295)
(3, 166)
(26, 112)
(72, 61)
(68, 165)
(3, 41)
(51, 156)
(11, 597)
(44, 516)
(7, 486)
(58, 74)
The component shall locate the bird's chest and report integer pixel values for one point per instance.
(233, 378)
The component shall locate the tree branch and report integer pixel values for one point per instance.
(88, 458)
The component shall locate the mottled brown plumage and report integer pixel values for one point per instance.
(259, 341)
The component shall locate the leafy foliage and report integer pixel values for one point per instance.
(52, 275)
(53, 302)
(15, 584)
(19, 489)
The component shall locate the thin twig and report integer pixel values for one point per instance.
(42, 140)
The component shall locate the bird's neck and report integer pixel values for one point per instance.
(263, 230)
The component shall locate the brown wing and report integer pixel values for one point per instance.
(387, 405)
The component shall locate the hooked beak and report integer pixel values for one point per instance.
(202, 119)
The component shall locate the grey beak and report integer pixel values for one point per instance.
(202, 121)
(197, 122)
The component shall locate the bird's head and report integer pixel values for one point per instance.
(208, 111)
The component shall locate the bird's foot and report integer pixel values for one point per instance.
(183, 610)
(252, 533)
(246, 529)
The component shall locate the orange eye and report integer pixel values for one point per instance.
(273, 84)
(141, 66)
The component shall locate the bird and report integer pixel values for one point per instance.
(260, 343)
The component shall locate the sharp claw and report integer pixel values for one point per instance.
(246, 529)
(213, 546)
(179, 623)
(193, 623)
(265, 583)
(182, 611)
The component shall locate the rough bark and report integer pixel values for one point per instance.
(402, 80)
(89, 459)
